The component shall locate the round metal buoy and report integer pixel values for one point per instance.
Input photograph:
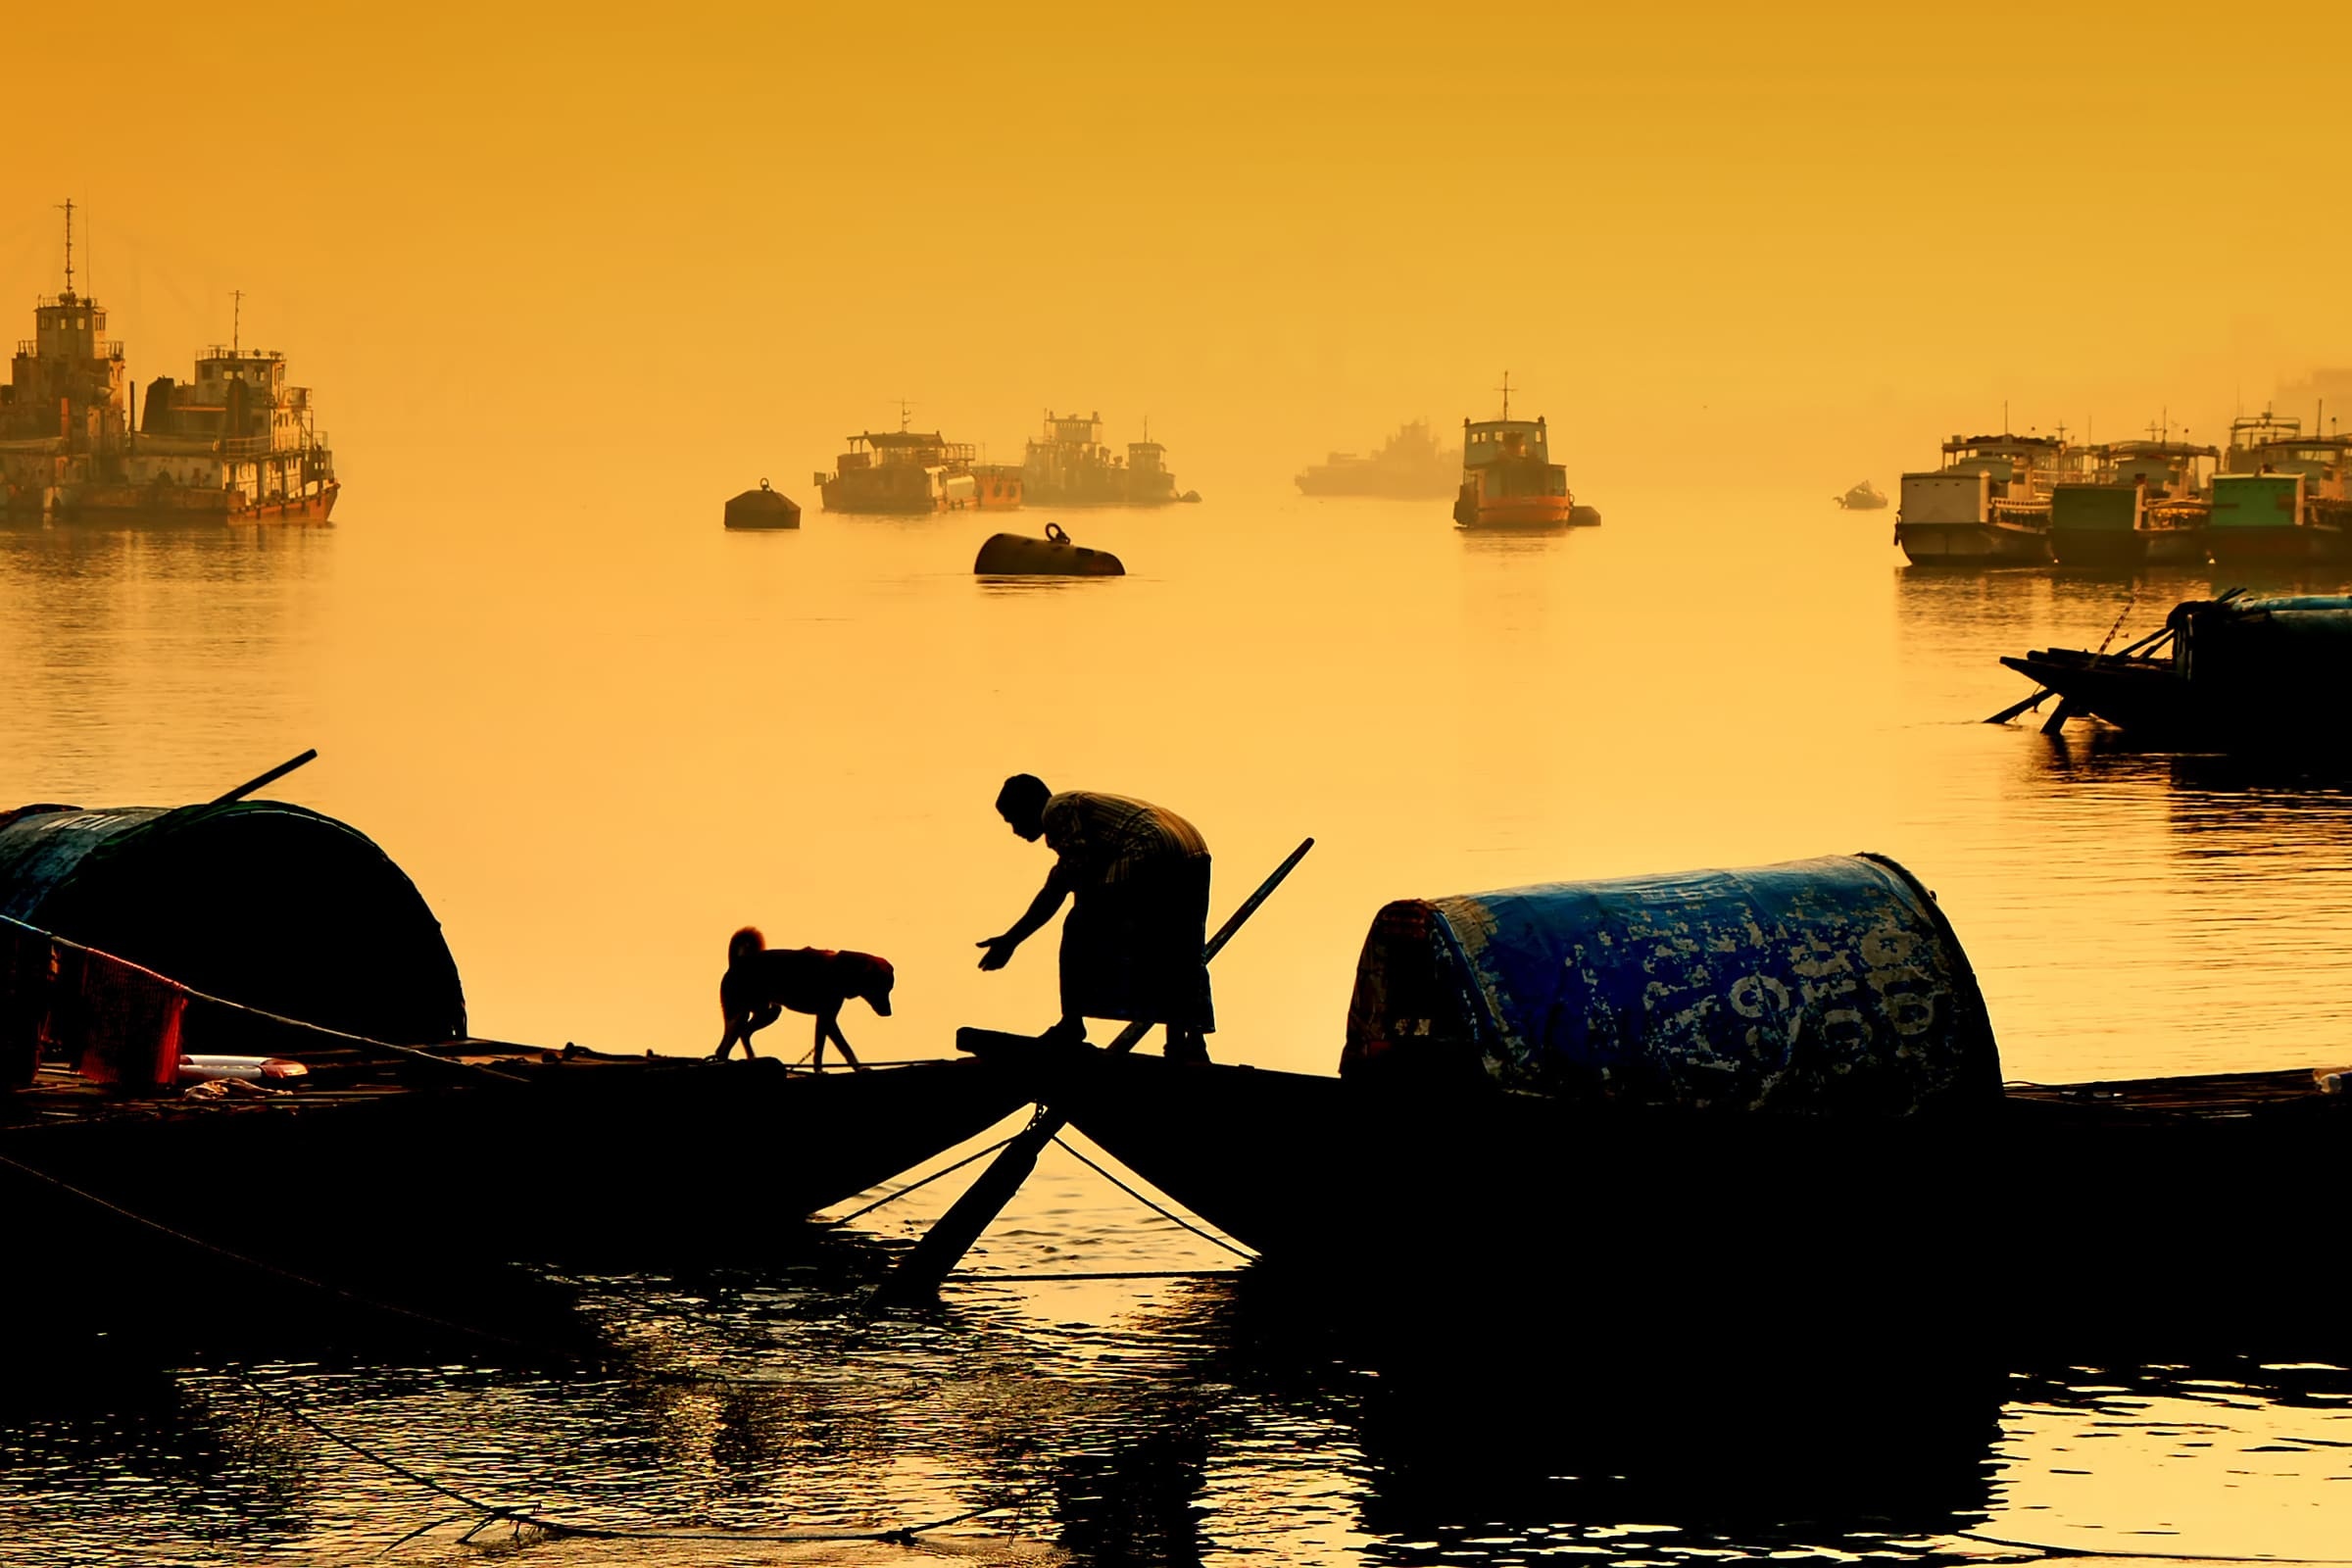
(763, 508)
(1012, 554)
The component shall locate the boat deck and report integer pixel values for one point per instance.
(2201, 1097)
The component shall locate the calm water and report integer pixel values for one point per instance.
(598, 758)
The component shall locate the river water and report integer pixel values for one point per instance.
(597, 759)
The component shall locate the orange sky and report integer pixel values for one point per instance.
(1806, 240)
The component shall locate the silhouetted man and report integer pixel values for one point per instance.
(1136, 876)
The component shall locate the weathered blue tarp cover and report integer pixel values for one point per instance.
(1829, 986)
(2291, 638)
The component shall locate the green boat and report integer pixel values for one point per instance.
(2147, 503)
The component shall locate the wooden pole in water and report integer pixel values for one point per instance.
(271, 777)
(951, 1234)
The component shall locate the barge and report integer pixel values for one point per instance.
(2280, 498)
(2146, 503)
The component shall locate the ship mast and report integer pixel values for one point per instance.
(236, 320)
(66, 207)
(1505, 390)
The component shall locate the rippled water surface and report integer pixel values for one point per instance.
(597, 759)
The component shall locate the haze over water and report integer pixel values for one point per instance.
(598, 757)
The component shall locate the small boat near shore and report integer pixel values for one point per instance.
(1863, 497)
(2231, 673)
(1773, 1092)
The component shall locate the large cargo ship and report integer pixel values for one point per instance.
(1508, 478)
(2281, 496)
(907, 472)
(1071, 467)
(1408, 466)
(237, 444)
(1989, 505)
(2146, 503)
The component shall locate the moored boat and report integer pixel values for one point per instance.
(2269, 675)
(1508, 478)
(2146, 503)
(235, 445)
(1408, 466)
(1660, 1096)
(897, 473)
(1863, 497)
(1987, 506)
(135, 941)
(1071, 466)
(2280, 498)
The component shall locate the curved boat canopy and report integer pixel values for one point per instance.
(1824, 987)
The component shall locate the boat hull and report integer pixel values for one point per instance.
(1520, 512)
(1632, 1214)
(2175, 547)
(593, 1158)
(168, 507)
(1973, 544)
(2099, 549)
(2290, 544)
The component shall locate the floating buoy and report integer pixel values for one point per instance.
(1012, 554)
(1584, 517)
(763, 509)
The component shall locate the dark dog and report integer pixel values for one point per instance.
(761, 983)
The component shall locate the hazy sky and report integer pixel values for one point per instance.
(666, 245)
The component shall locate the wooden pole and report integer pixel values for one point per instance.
(268, 778)
(918, 1274)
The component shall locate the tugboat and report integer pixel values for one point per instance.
(235, 445)
(2148, 504)
(1864, 496)
(2281, 496)
(1408, 466)
(1508, 478)
(1989, 505)
(899, 473)
(1071, 467)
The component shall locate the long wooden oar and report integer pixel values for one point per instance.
(951, 1234)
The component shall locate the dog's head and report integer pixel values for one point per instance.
(864, 975)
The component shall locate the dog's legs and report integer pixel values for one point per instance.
(833, 1023)
(823, 1021)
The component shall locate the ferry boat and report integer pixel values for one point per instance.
(237, 444)
(1989, 505)
(1070, 466)
(1508, 478)
(2148, 502)
(1408, 466)
(899, 473)
(2281, 498)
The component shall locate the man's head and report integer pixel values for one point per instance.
(1021, 802)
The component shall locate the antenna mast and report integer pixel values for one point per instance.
(236, 320)
(66, 207)
(1505, 390)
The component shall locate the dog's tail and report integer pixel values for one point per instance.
(743, 943)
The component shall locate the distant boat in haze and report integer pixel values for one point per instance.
(1409, 466)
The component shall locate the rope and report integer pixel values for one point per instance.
(1112, 1274)
(892, 1198)
(546, 1353)
(1156, 1208)
(492, 1513)
(207, 998)
(2153, 1556)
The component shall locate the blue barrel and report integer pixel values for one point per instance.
(258, 902)
(1822, 987)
